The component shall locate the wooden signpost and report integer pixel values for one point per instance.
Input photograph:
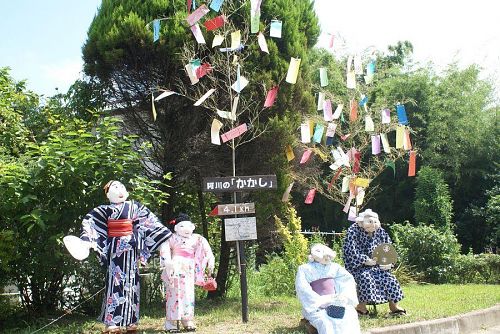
(239, 229)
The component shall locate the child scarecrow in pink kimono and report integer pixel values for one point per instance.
(122, 232)
(184, 257)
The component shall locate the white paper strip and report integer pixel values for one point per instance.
(164, 94)
(204, 97)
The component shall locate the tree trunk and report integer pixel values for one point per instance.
(223, 272)
(201, 206)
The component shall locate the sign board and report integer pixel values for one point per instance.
(240, 228)
(239, 183)
(235, 209)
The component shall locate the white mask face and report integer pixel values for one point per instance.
(184, 228)
(371, 225)
(117, 192)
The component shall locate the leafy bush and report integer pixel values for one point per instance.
(433, 203)
(476, 268)
(429, 251)
(46, 192)
(277, 276)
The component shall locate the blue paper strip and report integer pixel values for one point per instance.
(318, 133)
(329, 141)
(156, 30)
(363, 101)
(216, 4)
(370, 68)
(402, 119)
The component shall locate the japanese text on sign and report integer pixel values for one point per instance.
(239, 183)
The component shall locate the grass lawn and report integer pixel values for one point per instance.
(282, 314)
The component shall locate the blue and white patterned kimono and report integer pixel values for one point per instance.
(120, 306)
(344, 286)
(375, 286)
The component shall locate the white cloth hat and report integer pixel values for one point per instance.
(368, 213)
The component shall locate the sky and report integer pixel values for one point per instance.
(41, 40)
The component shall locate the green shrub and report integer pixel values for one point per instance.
(429, 251)
(476, 268)
(433, 203)
(277, 276)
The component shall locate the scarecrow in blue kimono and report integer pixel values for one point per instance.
(123, 233)
(327, 293)
(375, 283)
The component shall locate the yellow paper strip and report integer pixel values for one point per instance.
(361, 182)
(369, 126)
(351, 80)
(293, 70)
(235, 40)
(289, 153)
(400, 132)
(385, 143)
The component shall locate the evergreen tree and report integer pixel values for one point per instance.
(121, 54)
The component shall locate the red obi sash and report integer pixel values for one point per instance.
(119, 227)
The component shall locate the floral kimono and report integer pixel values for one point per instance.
(120, 255)
(190, 257)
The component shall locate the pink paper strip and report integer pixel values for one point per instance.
(271, 97)
(407, 141)
(347, 204)
(197, 14)
(233, 133)
(386, 116)
(305, 156)
(327, 111)
(376, 144)
(310, 196)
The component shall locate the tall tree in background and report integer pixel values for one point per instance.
(121, 55)
(463, 142)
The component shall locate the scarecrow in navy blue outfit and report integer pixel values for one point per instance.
(123, 233)
(375, 283)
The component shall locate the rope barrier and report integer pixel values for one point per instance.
(67, 312)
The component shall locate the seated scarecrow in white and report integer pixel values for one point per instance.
(327, 293)
(187, 260)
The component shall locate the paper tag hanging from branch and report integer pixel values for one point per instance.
(310, 196)
(293, 70)
(153, 107)
(412, 164)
